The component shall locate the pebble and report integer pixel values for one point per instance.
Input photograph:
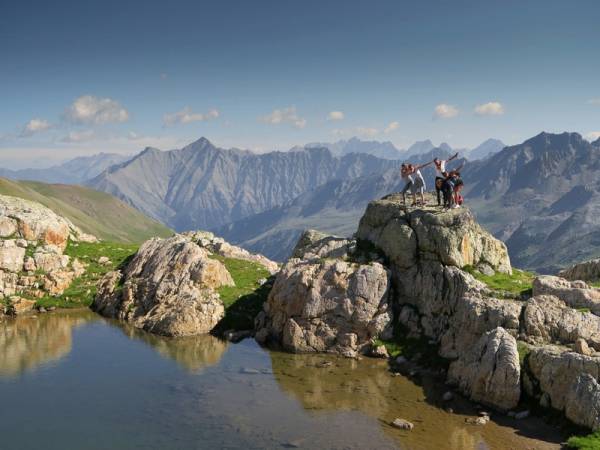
(477, 420)
(402, 424)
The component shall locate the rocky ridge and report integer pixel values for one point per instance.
(405, 269)
(32, 260)
(170, 286)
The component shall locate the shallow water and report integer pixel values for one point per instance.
(73, 380)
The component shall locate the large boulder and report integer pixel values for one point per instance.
(547, 319)
(489, 372)
(586, 271)
(576, 294)
(168, 288)
(408, 235)
(327, 306)
(566, 381)
(314, 244)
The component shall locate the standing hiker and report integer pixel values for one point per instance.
(408, 181)
(441, 174)
(418, 186)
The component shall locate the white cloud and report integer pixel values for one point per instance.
(89, 109)
(79, 136)
(592, 136)
(393, 126)
(335, 115)
(284, 116)
(489, 109)
(187, 116)
(445, 111)
(35, 126)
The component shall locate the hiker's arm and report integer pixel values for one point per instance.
(453, 157)
(423, 165)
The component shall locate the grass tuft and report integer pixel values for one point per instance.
(83, 289)
(518, 284)
(589, 442)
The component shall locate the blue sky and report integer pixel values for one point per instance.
(79, 77)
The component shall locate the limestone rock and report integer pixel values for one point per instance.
(11, 256)
(576, 294)
(168, 288)
(327, 306)
(489, 372)
(582, 404)
(582, 347)
(50, 261)
(219, 246)
(586, 271)
(452, 237)
(568, 382)
(314, 244)
(548, 319)
(473, 317)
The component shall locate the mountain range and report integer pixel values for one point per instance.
(203, 187)
(542, 197)
(74, 171)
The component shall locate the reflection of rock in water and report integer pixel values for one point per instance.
(193, 352)
(368, 387)
(26, 342)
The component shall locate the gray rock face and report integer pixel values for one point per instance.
(576, 294)
(586, 271)
(453, 238)
(548, 319)
(314, 244)
(473, 317)
(489, 372)
(327, 306)
(569, 381)
(168, 288)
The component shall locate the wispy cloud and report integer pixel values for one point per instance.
(367, 131)
(445, 111)
(79, 136)
(594, 101)
(393, 126)
(187, 116)
(35, 126)
(335, 115)
(489, 109)
(89, 109)
(287, 115)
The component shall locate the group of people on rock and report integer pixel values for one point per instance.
(448, 184)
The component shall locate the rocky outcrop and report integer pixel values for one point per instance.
(489, 372)
(410, 236)
(548, 319)
(327, 306)
(314, 244)
(566, 381)
(576, 294)
(168, 288)
(219, 246)
(587, 271)
(32, 264)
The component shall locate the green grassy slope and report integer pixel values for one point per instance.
(94, 212)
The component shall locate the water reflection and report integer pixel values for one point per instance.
(368, 387)
(30, 341)
(193, 353)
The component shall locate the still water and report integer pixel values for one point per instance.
(73, 380)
